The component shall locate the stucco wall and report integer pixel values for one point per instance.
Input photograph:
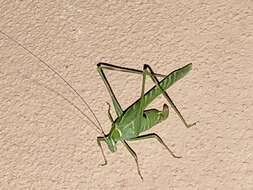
(46, 144)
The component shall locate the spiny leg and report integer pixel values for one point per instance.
(134, 155)
(109, 112)
(125, 69)
(156, 81)
(142, 100)
(116, 104)
(101, 66)
(99, 139)
(157, 137)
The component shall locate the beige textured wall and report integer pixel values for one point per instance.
(44, 142)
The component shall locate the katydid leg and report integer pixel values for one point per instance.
(109, 112)
(156, 81)
(142, 98)
(102, 66)
(134, 156)
(116, 104)
(157, 137)
(125, 69)
(143, 91)
(99, 140)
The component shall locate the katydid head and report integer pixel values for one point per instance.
(110, 143)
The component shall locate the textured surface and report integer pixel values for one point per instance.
(44, 142)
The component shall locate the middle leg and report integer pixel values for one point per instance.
(155, 136)
(134, 156)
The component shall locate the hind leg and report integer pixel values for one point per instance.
(156, 81)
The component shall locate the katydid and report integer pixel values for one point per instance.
(134, 120)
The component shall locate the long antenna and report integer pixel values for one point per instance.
(66, 82)
(71, 103)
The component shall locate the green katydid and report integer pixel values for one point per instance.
(135, 119)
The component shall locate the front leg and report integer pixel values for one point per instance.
(99, 139)
(134, 155)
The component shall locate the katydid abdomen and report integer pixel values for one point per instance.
(128, 129)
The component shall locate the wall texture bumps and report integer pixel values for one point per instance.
(46, 144)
